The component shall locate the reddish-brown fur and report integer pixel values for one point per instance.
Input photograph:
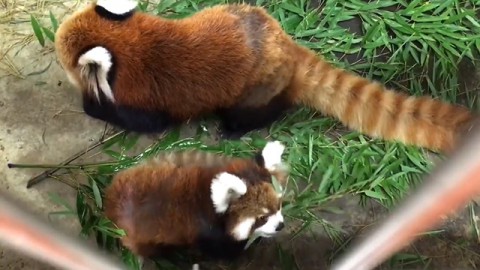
(165, 201)
(379, 112)
(238, 55)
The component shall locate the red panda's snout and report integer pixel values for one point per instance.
(265, 226)
(272, 226)
(259, 213)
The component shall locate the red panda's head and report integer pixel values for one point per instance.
(247, 196)
(85, 51)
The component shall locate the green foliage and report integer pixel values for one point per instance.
(413, 45)
(350, 164)
(408, 260)
(37, 30)
(41, 31)
(400, 40)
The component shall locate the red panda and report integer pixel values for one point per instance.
(194, 200)
(145, 73)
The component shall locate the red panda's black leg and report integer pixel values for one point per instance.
(215, 243)
(220, 247)
(239, 120)
(154, 251)
(130, 119)
(143, 121)
(103, 111)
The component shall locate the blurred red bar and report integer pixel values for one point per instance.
(451, 185)
(34, 237)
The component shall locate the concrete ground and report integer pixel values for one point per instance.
(41, 121)
(40, 117)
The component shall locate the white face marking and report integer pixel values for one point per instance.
(242, 230)
(272, 155)
(270, 227)
(118, 7)
(101, 57)
(226, 187)
(265, 210)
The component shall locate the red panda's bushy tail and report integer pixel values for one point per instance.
(368, 107)
(187, 158)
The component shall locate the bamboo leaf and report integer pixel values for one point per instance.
(37, 30)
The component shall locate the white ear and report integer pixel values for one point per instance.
(272, 155)
(103, 59)
(225, 188)
(118, 7)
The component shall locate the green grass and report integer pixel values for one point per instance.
(415, 46)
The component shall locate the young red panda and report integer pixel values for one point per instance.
(197, 200)
(143, 73)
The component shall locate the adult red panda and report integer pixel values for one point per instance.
(144, 73)
(197, 200)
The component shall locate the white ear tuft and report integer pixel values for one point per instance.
(225, 188)
(103, 59)
(118, 7)
(272, 155)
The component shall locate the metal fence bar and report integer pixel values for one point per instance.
(32, 236)
(451, 185)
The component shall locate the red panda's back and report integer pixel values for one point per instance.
(155, 204)
(183, 67)
(187, 67)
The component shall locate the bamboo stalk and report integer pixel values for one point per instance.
(25, 232)
(39, 178)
